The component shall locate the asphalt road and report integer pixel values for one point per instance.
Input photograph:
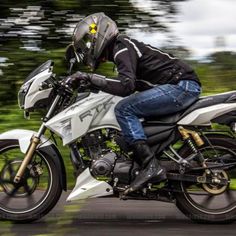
(111, 217)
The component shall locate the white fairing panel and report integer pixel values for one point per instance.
(34, 93)
(88, 187)
(90, 113)
(203, 116)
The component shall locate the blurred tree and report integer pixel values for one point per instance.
(225, 60)
(220, 42)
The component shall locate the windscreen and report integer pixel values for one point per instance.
(43, 67)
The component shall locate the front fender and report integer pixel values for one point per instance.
(45, 147)
(23, 136)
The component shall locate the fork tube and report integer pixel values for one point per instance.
(29, 154)
(42, 129)
(35, 140)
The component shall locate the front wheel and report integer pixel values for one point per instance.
(211, 203)
(38, 191)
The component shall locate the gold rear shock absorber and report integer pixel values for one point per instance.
(197, 139)
(28, 157)
(186, 135)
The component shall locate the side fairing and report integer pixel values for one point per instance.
(204, 116)
(90, 113)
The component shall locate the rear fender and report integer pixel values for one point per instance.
(226, 119)
(45, 147)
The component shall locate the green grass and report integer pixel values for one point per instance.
(232, 185)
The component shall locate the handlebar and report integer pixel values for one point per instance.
(62, 88)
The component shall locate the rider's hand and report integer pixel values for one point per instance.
(74, 81)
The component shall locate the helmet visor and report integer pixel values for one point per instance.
(83, 43)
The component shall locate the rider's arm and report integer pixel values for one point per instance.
(124, 85)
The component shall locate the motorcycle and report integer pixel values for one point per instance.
(200, 161)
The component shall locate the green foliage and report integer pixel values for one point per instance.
(11, 117)
(214, 79)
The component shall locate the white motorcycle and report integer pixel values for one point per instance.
(200, 162)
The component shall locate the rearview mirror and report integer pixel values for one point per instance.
(70, 53)
(70, 57)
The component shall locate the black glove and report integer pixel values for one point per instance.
(74, 81)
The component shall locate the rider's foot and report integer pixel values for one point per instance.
(151, 171)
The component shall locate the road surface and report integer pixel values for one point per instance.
(113, 217)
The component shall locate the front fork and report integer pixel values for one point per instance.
(28, 157)
(35, 141)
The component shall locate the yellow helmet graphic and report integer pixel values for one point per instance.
(93, 28)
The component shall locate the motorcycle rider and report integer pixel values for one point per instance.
(166, 84)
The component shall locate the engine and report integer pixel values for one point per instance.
(113, 167)
(104, 166)
(105, 159)
(98, 143)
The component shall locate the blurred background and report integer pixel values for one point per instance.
(31, 32)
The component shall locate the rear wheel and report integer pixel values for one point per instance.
(211, 203)
(38, 191)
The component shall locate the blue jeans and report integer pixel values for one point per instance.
(158, 101)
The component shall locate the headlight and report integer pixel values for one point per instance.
(21, 94)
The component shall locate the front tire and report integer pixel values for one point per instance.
(37, 193)
(210, 204)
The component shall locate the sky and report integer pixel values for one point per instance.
(198, 24)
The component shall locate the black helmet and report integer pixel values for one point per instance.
(91, 36)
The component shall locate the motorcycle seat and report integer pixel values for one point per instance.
(202, 102)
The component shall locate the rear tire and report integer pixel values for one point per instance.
(51, 184)
(196, 211)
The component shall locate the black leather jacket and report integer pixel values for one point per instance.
(141, 67)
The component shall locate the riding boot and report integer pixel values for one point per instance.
(150, 169)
